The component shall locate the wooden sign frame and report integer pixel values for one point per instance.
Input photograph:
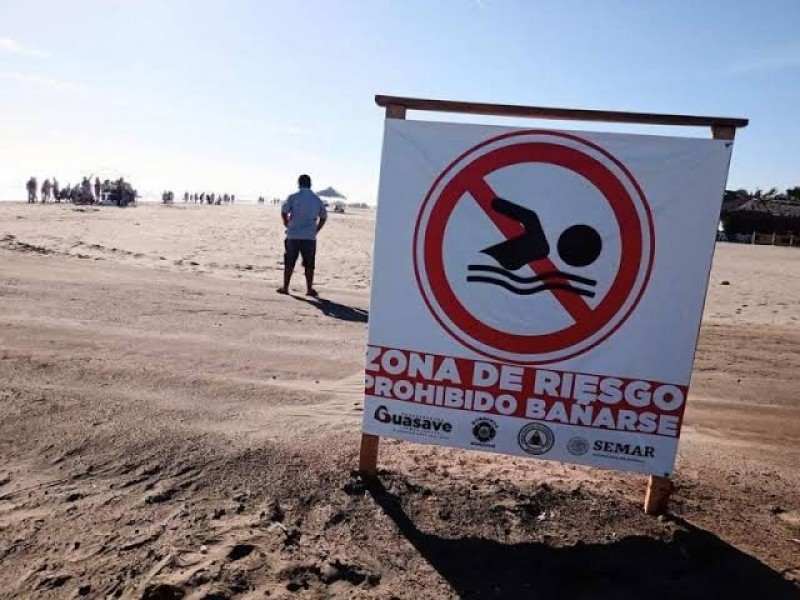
(659, 489)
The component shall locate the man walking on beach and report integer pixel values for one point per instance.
(304, 215)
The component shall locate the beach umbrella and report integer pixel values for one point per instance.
(329, 192)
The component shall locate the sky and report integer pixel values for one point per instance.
(241, 96)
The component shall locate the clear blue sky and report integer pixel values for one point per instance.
(242, 95)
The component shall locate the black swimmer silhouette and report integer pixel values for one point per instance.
(519, 251)
(578, 246)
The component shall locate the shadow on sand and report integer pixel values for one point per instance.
(336, 310)
(694, 564)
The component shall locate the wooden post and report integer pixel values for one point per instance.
(368, 455)
(657, 496)
(370, 444)
(723, 132)
(659, 489)
(395, 111)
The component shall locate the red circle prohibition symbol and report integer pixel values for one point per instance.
(468, 175)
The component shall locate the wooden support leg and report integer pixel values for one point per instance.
(657, 496)
(368, 456)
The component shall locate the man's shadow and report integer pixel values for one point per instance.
(336, 310)
(693, 564)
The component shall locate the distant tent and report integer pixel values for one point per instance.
(329, 192)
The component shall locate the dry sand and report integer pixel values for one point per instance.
(170, 427)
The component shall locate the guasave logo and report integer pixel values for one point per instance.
(417, 424)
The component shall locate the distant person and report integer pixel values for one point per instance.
(233, 197)
(303, 215)
(46, 187)
(56, 191)
(31, 187)
(86, 190)
(97, 188)
(119, 200)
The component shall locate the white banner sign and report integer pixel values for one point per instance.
(539, 293)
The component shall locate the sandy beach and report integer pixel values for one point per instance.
(170, 427)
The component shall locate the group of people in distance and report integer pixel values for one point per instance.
(119, 191)
(273, 202)
(48, 188)
(211, 199)
(303, 215)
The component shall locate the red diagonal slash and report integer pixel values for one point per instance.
(574, 304)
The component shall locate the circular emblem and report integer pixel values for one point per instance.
(484, 430)
(577, 446)
(535, 272)
(536, 438)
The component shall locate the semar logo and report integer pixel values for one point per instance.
(631, 452)
(426, 426)
(578, 446)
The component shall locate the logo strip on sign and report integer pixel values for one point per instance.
(557, 396)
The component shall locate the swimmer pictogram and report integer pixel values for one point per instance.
(519, 264)
(578, 246)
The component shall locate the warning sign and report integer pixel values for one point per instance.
(539, 293)
(522, 260)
